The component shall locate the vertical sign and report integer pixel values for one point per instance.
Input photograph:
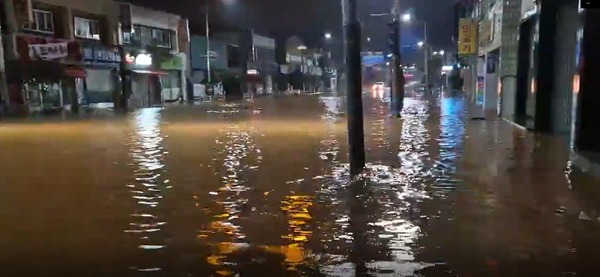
(480, 89)
(23, 13)
(125, 18)
(467, 37)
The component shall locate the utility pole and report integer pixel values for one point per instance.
(121, 99)
(9, 48)
(207, 45)
(426, 55)
(356, 140)
(398, 74)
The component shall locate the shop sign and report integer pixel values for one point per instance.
(177, 62)
(48, 51)
(480, 89)
(293, 58)
(467, 37)
(101, 55)
(143, 59)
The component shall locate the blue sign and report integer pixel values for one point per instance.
(373, 59)
(410, 46)
(101, 55)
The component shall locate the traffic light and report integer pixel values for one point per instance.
(393, 38)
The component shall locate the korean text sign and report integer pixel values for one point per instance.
(467, 36)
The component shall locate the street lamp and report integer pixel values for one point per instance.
(327, 35)
(406, 17)
(435, 53)
(368, 39)
(424, 44)
(441, 52)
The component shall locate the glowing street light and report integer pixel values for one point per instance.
(435, 53)
(406, 17)
(442, 53)
(368, 39)
(327, 35)
(420, 43)
(301, 47)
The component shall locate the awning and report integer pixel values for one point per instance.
(150, 72)
(75, 72)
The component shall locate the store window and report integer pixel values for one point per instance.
(43, 22)
(86, 28)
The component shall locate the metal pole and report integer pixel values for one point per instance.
(356, 140)
(426, 55)
(121, 100)
(207, 46)
(9, 49)
(398, 74)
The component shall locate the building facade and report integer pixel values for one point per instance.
(302, 69)
(541, 71)
(263, 66)
(70, 54)
(157, 69)
(52, 62)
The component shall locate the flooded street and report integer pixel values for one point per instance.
(262, 189)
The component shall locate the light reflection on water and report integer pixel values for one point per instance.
(148, 154)
(268, 194)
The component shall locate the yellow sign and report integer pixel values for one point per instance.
(467, 36)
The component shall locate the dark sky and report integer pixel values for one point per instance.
(312, 18)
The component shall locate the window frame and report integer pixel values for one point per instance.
(135, 34)
(160, 42)
(27, 26)
(90, 31)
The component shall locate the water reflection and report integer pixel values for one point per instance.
(237, 157)
(148, 189)
(268, 194)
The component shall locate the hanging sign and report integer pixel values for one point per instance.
(467, 37)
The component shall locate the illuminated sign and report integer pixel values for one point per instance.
(129, 58)
(143, 59)
(467, 36)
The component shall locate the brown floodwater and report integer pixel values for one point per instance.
(262, 189)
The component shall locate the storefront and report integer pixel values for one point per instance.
(586, 83)
(173, 82)
(44, 77)
(101, 84)
(547, 65)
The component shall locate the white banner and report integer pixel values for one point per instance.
(48, 51)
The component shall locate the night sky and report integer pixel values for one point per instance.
(312, 18)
